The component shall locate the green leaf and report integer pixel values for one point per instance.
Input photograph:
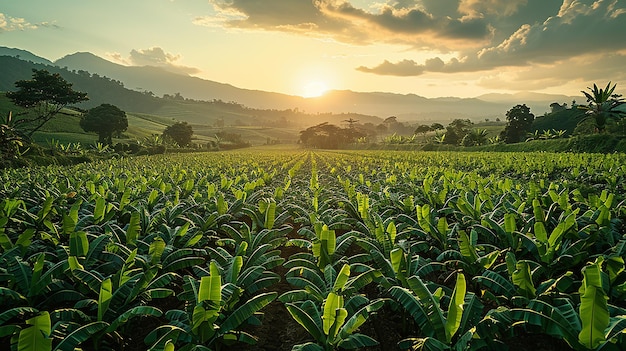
(359, 317)
(98, 212)
(82, 334)
(593, 311)
(211, 286)
(455, 310)
(79, 244)
(245, 311)
(522, 278)
(156, 250)
(37, 336)
(270, 215)
(396, 256)
(138, 311)
(509, 223)
(134, 229)
(332, 303)
(467, 249)
(430, 305)
(308, 317)
(104, 298)
(342, 278)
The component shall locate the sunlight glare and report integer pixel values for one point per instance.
(314, 89)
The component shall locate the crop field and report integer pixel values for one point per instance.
(316, 250)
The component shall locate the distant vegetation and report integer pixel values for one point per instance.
(155, 124)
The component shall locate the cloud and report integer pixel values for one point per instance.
(8, 23)
(157, 57)
(578, 28)
(403, 22)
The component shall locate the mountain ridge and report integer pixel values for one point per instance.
(409, 107)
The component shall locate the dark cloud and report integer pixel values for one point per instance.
(396, 21)
(577, 28)
(280, 15)
(157, 57)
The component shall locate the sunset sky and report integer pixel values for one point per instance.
(431, 48)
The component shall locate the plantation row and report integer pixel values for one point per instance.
(374, 250)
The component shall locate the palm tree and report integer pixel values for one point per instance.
(602, 105)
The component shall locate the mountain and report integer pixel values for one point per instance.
(23, 55)
(407, 107)
(160, 82)
(528, 97)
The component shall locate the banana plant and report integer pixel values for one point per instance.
(335, 322)
(441, 328)
(213, 318)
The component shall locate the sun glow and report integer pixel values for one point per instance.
(314, 89)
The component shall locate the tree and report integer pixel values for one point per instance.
(47, 94)
(180, 133)
(105, 120)
(436, 126)
(456, 130)
(602, 105)
(329, 136)
(423, 129)
(519, 119)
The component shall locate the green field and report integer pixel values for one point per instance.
(286, 249)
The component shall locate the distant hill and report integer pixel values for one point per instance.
(206, 117)
(23, 55)
(407, 107)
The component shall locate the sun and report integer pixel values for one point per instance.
(314, 89)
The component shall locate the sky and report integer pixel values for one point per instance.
(432, 48)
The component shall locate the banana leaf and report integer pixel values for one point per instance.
(594, 315)
(37, 336)
(245, 311)
(308, 316)
(455, 310)
(80, 335)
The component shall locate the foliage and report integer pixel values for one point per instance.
(10, 139)
(47, 94)
(456, 131)
(519, 119)
(446, 250)
(329, 136)
(603, 105)
(105, 120)
(180, 133)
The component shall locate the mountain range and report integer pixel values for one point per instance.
(407, 107)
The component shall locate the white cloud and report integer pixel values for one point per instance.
(156, 57)
(8, 23)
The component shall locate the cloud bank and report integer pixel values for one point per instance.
(481, 35)
(155, 57)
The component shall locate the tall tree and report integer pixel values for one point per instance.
(456, 130)
(422, 129)
(519, 119)
(602, 105)
(105, 120)
(46, 94)
(329, 136)
(180, 133)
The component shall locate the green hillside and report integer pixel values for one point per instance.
(148, 114)
(566, 119)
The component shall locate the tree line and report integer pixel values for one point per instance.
(46, 95)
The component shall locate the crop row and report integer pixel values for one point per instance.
(462, 251)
